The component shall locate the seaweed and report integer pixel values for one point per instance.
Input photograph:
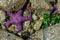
(46, 21)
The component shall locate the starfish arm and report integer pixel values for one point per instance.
(55, 8)
(8, 23)
(19, 27)
(56, 11)
(20, 12)
(9, 13)
(27, 18)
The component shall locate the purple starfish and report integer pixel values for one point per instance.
(56, 9)
(17, 19)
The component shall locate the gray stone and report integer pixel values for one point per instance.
(39, 4)
(11, 4)
(59, 5)
(52, 32)
(4, 35)
(38, 35)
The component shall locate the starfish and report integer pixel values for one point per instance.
(17, 19)
(56, 9)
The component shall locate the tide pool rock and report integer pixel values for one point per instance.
(2, 16)
(59, 5)
(37, 25)
(11, 4)
(52, 32)
(39, 4)
(34, 17)
(27, 24)
(13, 28)
(4, 35)
(38, 35)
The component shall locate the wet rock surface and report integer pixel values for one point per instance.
(39, 4)
(2, 16)
(52, 33)
(12, 4)
(38, 35)
(59, 5)
(4, 35)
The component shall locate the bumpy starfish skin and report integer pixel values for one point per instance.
(17, 19)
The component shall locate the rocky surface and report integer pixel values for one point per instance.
(39, 4)
(52, 32)
(38, 35)
(59, 5)
(11, 4)
(2, 16)
(4, 35)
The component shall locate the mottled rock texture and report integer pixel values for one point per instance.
(52, 32)
(39, 4)
(4, 35)
(59, 5)
(38, 35)
(11, 4)
(2, 16)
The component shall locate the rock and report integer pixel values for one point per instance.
(59, 5)
(26, 25)
(4, 35)
(2, 16)
(31, 31)
(26, 13)
(25, 35)
(34, 17)
(39, 4)
(37, 20)
(11, 4)
(52, 32)
(38, 35)
(37, 24)
(13, 28)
